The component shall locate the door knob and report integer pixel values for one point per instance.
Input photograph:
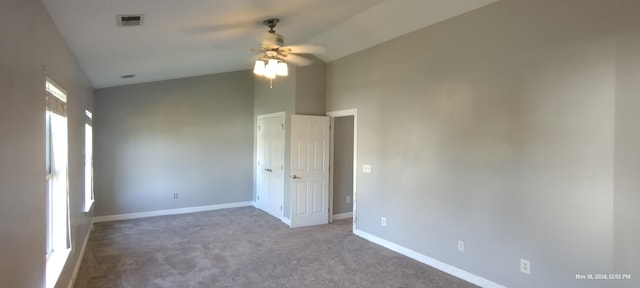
(268, 170)
(296, 177)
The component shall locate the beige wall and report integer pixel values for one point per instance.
(627, 154)
(311, 88)
(31, 49)
(190, 136)
(495, 128)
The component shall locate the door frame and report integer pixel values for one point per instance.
(284, 177)
(342, 113)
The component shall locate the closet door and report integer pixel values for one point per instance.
(276, 159)
(270, 166)
(262, 172)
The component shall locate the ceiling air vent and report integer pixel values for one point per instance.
(130, 20)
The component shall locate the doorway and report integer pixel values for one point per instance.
(343, 159)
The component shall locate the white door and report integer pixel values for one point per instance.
(309, 170)
(270, 166)
(262, 172)
(276, 173)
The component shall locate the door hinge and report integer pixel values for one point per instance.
(258, 127)
(280, 207)
(258, 197)
(282, 126)
(354, 219)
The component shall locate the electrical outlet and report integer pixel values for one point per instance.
(175, 195)
(383, 221)
(525, 266)
(366, 168)
(460, 246)
(348, 199)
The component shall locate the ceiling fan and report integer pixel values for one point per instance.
(271, 62)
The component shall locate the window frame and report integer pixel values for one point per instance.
(89, 196)
(57, 222)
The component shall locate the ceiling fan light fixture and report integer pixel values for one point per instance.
(272, 62)
(271, 69)
(259, 68)
(269, 74)
(282, 69)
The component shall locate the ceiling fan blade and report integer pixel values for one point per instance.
(304, 49)
(295, 59)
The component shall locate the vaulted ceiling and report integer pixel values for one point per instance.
(199, 37)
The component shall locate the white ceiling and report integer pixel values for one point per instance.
(198, 37)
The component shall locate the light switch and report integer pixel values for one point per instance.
(366, 168)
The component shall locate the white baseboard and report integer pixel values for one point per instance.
(342, 216)
(76, 269)
(286, 221)
(475, 279)
(170, 212)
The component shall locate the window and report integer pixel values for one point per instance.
(58, 236)
(88, 161)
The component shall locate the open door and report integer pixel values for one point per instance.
(309, 170)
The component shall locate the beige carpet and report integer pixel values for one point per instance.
(243, 247)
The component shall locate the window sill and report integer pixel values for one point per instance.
(88, 206)
(55, 264)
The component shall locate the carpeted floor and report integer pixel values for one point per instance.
(244, 247)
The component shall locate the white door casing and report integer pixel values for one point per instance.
(309, 170)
